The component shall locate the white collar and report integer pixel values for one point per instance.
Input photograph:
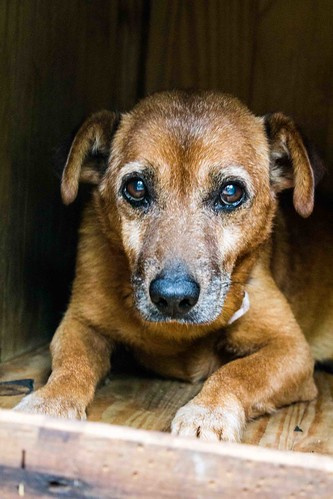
(242, 310)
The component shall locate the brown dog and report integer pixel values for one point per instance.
(177, 259)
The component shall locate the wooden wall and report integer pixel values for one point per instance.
(61, 60)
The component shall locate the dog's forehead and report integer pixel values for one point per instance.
(194, 133)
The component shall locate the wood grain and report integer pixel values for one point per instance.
(144, 403)
(41, 457)
(59, 62)
(35, 365)
(150, 403)
(293, 67)
(201, 44)
(314, 419)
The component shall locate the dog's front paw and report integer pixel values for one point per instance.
(225, 422)
(38, 403)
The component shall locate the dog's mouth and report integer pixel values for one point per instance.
(180, 300)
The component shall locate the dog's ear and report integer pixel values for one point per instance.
(294, 162)
(89, 152)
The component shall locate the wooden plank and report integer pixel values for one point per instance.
(150, 403)
(39, 455)
(201, 44)
(293, 64)
(313, 419)
(141, 402)
(59, 61)
(35, 366)
(328, 147)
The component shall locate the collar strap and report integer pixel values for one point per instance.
(242, 310)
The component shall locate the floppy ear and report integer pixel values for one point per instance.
(294, 163)
(88, 155)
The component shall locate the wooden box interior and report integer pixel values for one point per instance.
(59, 62)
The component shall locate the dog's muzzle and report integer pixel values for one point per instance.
(174, 294)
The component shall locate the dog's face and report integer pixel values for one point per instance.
(190, 179)
(191, 188)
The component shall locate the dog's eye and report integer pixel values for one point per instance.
(135, 192)
(232, 195)
(136, 189)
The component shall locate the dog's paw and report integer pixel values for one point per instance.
(59, 407)
(226, 422)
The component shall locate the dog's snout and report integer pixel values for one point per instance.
(174, 294)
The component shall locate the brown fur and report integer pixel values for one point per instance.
(186, 144)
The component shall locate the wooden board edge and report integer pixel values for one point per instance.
(39, 454)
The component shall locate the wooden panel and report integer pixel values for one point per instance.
(59, 62)
(140, 402)
(293, 66)
(328, 144)
(41, 457)
(201, 44)
(35, 366)
(150, 403)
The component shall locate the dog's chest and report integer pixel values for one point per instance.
(193, 364)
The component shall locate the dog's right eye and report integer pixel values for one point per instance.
(135, 192)
(232, 195)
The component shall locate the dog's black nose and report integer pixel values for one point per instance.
(174, 293)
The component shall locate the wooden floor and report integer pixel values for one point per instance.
(144, 402)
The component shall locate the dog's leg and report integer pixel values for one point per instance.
(275, 369)
(80, 359)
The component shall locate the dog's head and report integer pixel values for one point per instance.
(189, 186)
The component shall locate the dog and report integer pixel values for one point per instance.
(185, 257)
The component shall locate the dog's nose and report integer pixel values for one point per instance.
(174, 294)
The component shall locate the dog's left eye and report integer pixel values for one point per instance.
(135, 192)
(231, 195)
